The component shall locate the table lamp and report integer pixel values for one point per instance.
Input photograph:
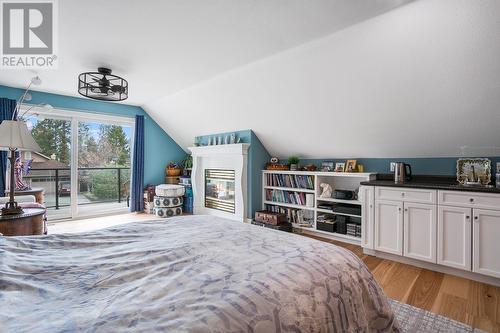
(15, 136)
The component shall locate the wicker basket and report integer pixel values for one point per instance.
(171, 172)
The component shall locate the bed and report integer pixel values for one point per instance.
(186, 274)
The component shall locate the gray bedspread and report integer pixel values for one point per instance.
(186, 274)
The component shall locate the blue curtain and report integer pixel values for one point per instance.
(136, 193)
(7, 107)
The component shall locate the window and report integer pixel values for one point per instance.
(84, 164)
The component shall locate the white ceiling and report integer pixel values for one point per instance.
(422, 80)
(163, 47)
(318, 78)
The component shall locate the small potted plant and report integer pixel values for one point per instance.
(188, 163)
(294, 163)
(173, 169)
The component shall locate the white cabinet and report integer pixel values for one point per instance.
(406, 194)
(470, 199)
(408, 225)
(367, 197)
(486, 242)
(458, 229)
(419, 230)
(389, 226)
(454, 237)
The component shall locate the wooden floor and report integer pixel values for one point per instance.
(467, 301)
(470, 302)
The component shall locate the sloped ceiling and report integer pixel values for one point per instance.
(165, 46)
(422, 80)
(318, 78)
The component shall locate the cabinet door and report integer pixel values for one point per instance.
(367, 198)
(389, 226)
(486, 242)
(420, 228)
(454, 237)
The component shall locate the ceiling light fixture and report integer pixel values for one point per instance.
(102, 85)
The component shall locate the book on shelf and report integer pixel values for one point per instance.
(292, 181)
(293, 215)
(289, 197)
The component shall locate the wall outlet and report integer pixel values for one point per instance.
(393, 166)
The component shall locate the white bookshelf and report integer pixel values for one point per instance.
(351, 202)
(289, 189)
(288, 205)
(338, 180)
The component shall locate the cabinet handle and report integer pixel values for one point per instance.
(399, 208)
(471, 199)
(476, 217)
(402, 194)
(467, 217)
(406, 209)
(371, 206)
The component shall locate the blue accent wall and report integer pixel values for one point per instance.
(257, 159)
(160, 148)
(259, 156)
(442, 166)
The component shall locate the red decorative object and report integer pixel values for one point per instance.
(276, 166)
(272, 218)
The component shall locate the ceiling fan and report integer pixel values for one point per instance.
(102, 85)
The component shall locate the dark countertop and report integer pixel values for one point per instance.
(429, 182)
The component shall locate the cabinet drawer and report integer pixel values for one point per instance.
(469, 199)
(406, 194)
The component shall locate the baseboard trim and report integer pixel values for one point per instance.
(118, 211)
(435, 267)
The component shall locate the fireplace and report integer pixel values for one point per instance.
(219, 189)
(219, 179)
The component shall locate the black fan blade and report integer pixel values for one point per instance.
(118, 89)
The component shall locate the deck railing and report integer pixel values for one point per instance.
(112, 185)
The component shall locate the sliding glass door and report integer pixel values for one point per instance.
(85, 163)
(51, 167)
(103, 166)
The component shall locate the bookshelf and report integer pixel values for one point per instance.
(279, 188)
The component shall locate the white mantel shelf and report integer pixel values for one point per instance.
(230, 149)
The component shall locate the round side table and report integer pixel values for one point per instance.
(30, 222)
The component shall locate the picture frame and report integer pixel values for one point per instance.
(339, 167)
(327, 166)
(350, 166)
(474, 171)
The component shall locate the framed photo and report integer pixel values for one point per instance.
(350, 166)
(473, 171)
(327, 166)
(339, 167)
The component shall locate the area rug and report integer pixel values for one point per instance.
(412, 319)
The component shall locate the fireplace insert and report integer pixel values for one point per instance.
(219, 189)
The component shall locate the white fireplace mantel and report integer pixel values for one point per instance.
(229, 157)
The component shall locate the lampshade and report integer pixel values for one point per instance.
(14, 134)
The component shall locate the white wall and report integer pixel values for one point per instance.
(420, 81)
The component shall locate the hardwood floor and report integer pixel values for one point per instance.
(474, 303)
(467, 301)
